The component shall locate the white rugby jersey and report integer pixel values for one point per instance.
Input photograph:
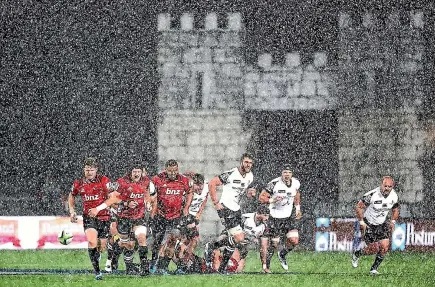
(251, 229)
(197, 200)
(283, 208)
(378, 206)
(234, 185)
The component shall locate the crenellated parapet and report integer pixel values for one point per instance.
(301, 82)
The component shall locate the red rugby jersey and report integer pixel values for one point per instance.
(93, 193)
(170, 194)
(137, 191)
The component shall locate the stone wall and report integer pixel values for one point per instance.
(205, 141)
(374, 143)
(377, 87)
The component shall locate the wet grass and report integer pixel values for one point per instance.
(305, 269)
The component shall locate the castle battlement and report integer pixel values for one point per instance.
(411, 19)
(233, 22)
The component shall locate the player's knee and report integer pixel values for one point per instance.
(92, 243)
(124, 240)
(237, 233)
(140, 231)
(292, 234)
(243, 252)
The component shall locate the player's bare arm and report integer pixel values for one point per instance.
(212, 187)
(113, 198)
(359, 211)
(72, 204)
(297, 202)
(153, 200)
(264, 196)
(394, 216)
(201, 209)
(189, 198)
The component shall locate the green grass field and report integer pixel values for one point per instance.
(305, 269)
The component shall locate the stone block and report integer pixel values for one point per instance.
(211, 21)
(213, 166)
(322, 88)
(168, 55)
(293, 89)
(163, 135)
(230, 39)
(163, 22)
(175, 152)
(293, 60)
(234, 21)
(311, 75)
(226, 55)
(197, 55)
(189, 39)
(231, 70)
(194, 138)
(186, 22)
(195, 153)
(308, 88)
(320, 59)
(265, 61)
(209, 39)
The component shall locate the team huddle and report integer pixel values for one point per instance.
(121, 215)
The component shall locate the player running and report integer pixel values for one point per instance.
(372, 211)
(283, 193)
(235, 185)
(94, 190)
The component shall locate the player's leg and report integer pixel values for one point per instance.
(236, 236)
(173, 235)
(232, 221)
(110, 245)
(158, 226)
(382, 237)
(369, 246)
(238, 259)
(140, 232)
(91, 231)
(265, 253)
(126, 243)
(292, 239)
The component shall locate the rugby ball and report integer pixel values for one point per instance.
(65, 237)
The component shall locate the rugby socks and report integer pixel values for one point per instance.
(128, 259)
(163, 263)
(143, 252)
(270, 252)
(116, 252)
(226, 256)
(358, 253)
(377, 262)
(156, 247)
(94, 255)
(286, 250)
(109, 249)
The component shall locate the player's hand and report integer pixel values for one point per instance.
(298, 215)
(132, 204)
(252, 192)
(392, 225)
(93, 212)
(362, 226)
(218, 206)
(148, 206)
(276, 199)
(73, 217)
